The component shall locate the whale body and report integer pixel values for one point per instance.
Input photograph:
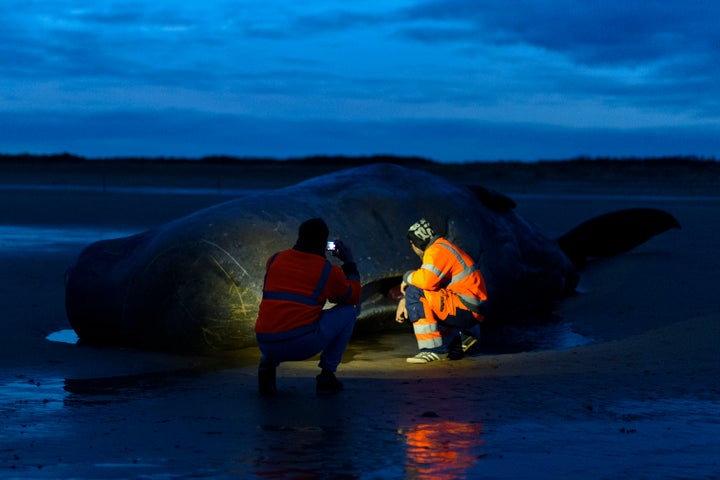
(194, 284)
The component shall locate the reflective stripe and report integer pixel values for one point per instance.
(421, 328)
(437, 342)
(430, 342)
(427, 333)
(473, 304)
(466, 270)
(432, 269)
(312, 299)
(321, 283)
(290, 297)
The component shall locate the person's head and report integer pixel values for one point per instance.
(420, 235)
(312, 236)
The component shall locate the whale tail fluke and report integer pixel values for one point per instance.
(614, 233)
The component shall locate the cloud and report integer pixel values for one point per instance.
(371, 73)
(651, 54)
(608, 32)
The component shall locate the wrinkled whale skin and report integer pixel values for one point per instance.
(194, 284)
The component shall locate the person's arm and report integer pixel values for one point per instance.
(345, 287)
(429, 276)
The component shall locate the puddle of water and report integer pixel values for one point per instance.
(555, 335)
(64, 336)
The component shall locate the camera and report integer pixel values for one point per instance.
(331, 247)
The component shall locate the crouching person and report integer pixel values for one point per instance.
(291, 323)
(445, 299)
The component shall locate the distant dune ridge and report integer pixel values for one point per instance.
(687, 174)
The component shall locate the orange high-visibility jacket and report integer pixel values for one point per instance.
(297, 284)
(449, 279)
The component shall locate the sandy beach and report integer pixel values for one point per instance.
(626, 384)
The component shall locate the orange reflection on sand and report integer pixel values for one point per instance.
(442, 450)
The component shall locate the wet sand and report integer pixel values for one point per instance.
(637, 397)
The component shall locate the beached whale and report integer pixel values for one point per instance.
(194, 284)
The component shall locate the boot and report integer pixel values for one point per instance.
(266, 380)
(328, 383)
(455, 349)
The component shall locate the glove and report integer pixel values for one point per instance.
(343, 252)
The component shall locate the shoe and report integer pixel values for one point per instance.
(468, 343)
(424, 357)
(326, 382)
(455, 349)
(266, 381)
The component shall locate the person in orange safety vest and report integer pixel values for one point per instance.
(445, 299)
(292, 323)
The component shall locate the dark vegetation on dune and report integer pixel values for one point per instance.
(702, 174)
(582, 162)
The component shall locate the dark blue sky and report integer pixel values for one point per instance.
(454, 80)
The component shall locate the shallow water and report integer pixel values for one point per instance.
(144, 190)
(52, 239)
(664, 438)
(480, 429)
(286, 437)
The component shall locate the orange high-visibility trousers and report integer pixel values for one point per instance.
(428, 333)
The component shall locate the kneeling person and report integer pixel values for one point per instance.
(444, 298)
(291, 323)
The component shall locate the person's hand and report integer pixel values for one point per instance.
(401, 313)
(343, 252)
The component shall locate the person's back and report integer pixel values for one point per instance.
(292, 324)
(447, 266)
(297, 284)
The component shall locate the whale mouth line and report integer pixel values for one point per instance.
(378, 305)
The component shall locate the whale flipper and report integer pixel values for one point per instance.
(614, 233)
(492, 199)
